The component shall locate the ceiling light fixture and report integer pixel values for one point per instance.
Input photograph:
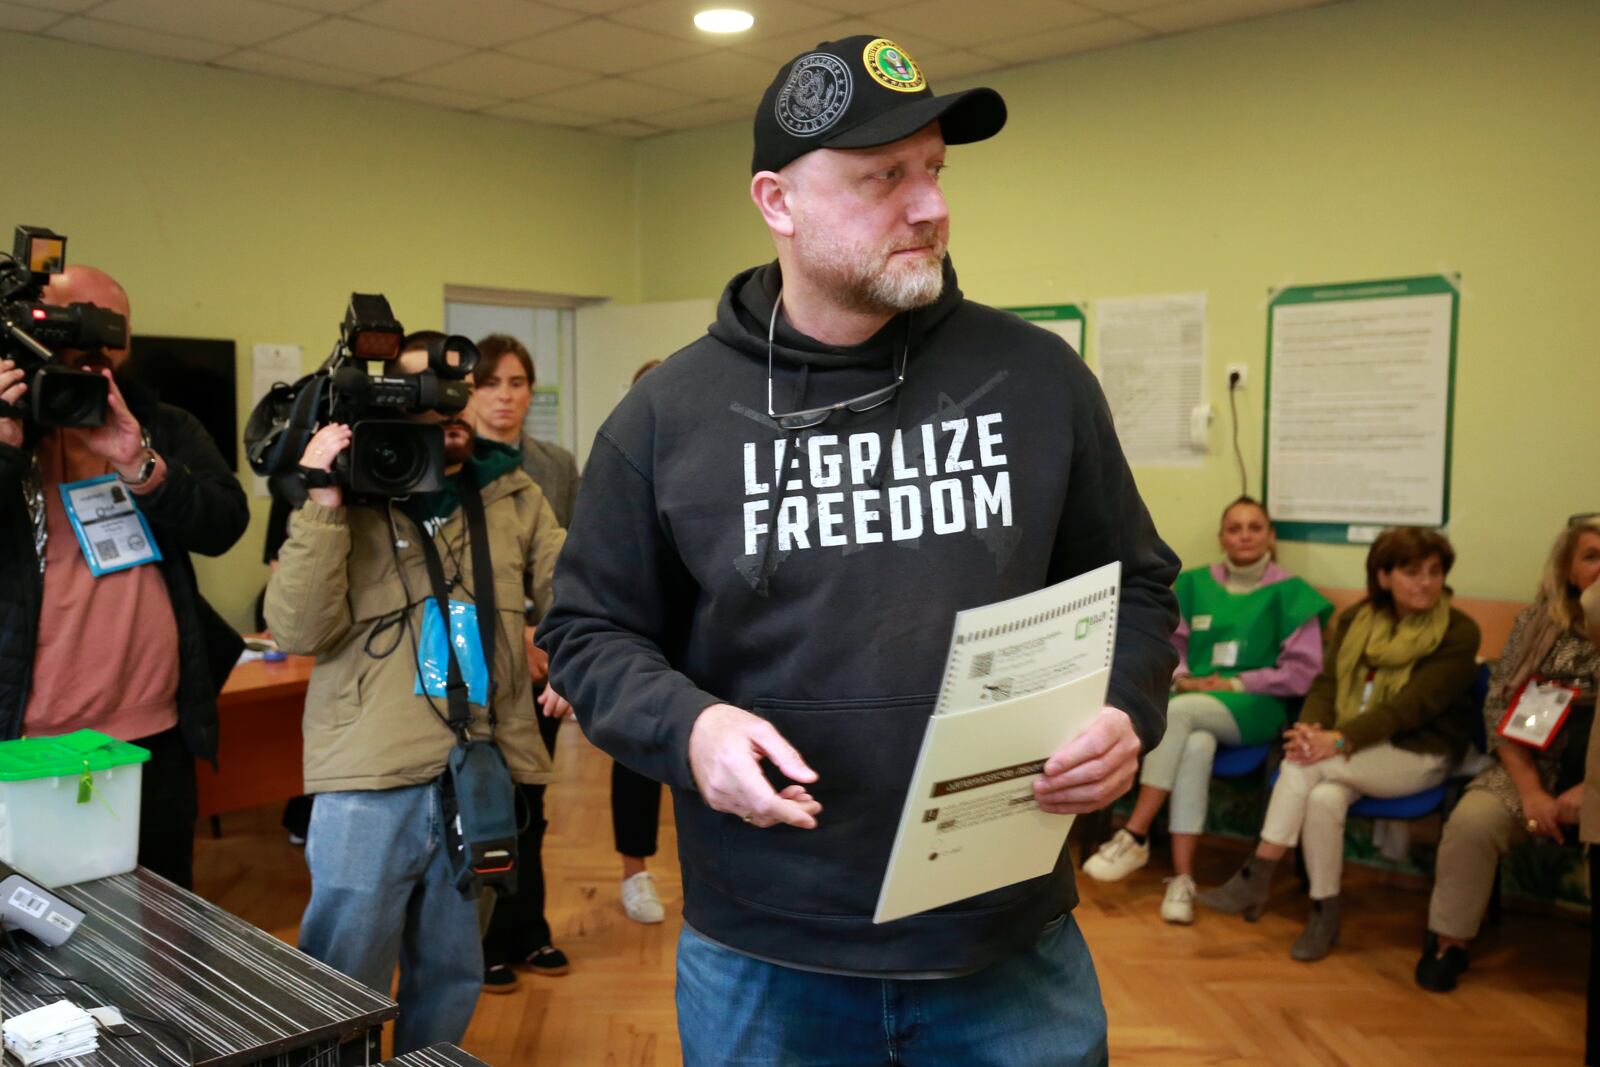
(724, 20)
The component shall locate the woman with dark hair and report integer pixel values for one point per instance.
(1389, 714)
(1529, 791)
(1250, 636)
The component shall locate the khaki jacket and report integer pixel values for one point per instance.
(335, 595)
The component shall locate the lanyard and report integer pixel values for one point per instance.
(483, 596)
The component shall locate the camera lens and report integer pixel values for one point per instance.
(69, 398)
(395, 458)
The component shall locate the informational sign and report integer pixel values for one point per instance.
(1063, 320)
(1152, 356)
(1360, 390)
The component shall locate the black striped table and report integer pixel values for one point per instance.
(442, 1055)
(236, 993)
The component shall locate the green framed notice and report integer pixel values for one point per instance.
(1360, 407)
(1064, 320)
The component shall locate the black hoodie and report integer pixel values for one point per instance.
(994, 472)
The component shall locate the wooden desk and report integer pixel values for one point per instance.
(237, 993)
(258, 743)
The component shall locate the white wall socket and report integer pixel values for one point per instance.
(1242, 370)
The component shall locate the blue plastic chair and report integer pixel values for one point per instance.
(1236, 761)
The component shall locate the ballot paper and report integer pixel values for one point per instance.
(54, 1032)
(1023, 678)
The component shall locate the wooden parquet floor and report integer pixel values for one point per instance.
(1221, 992)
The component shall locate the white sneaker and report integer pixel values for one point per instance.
(640, 899)
(1117, 858)
(1178, 905)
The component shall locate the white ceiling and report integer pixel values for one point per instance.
(635, 68)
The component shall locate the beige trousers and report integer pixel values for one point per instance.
(1314, 800)
(1481, 830)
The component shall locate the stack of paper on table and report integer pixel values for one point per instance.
(1023, 677)
(54, 1032)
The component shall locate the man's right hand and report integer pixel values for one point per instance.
(323, 448)
(12, 388)
(726, 748)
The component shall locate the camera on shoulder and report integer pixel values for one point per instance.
(390, 454)
(34, 335)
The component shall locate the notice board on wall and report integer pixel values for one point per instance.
(1063, 320)
(1360, 398)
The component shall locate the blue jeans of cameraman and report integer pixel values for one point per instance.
(381, 895)
(1039, 1008)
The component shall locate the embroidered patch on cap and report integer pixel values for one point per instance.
(892, 68)
(815, 96)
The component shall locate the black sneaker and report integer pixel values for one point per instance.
(549, 961)
(1438, 972)
(500, 978)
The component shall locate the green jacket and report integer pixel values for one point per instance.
(335, 595)
(1433, 713)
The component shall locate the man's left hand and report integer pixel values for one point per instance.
(118, 440)
(552, 705)
(1093, 769)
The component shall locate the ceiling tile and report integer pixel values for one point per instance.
(782, 47)
(128, 39)
(501, 76)
(860, 7)
(531, 111)
(1123, 7)
(594, 7)
(1105, 33)
(941, 67)
(327, 7)
(606, 47)
(66, 7)
(1197, 14)
(293, 69)
(237, 22)
(485, 23)
(719, 74)
(26, 19)
(697, 115)
(371, 49)
(628, 129)
(676, 18)
(429, 94)
(961, 23)
(616, 98)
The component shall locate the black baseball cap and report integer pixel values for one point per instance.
(861, 92)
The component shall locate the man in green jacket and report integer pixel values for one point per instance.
(349, 589)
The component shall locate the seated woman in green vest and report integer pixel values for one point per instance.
(1250, 638)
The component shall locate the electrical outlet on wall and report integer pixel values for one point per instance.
(1242, 370)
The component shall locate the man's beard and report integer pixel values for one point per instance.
(870, 281)
(457, 448)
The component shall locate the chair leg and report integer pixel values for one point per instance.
(1300, 869)
(1494, 897)
(216, 826)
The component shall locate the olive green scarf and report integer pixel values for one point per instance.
(1374, 641)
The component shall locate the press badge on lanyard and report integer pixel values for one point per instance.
(1537, 712)
(112, 532)
(433, 659)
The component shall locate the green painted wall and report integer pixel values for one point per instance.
(242, 207)
(1368, 139)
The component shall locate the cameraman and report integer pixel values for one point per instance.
(348, 589)
(136, 653)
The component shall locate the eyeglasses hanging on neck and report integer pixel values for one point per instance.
(807, 418)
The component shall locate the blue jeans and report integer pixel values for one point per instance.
(1041, 1007)
(381, 895)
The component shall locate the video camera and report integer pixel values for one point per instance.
(389, 455)
(34, 334)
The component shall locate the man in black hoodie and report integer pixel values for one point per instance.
(785, 517)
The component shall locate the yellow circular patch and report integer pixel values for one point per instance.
(892, 68)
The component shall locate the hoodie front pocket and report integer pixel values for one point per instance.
(863, 751)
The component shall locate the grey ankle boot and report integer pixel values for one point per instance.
(1245, 893)
(1321, 933)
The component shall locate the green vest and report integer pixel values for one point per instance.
(1249, 629)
